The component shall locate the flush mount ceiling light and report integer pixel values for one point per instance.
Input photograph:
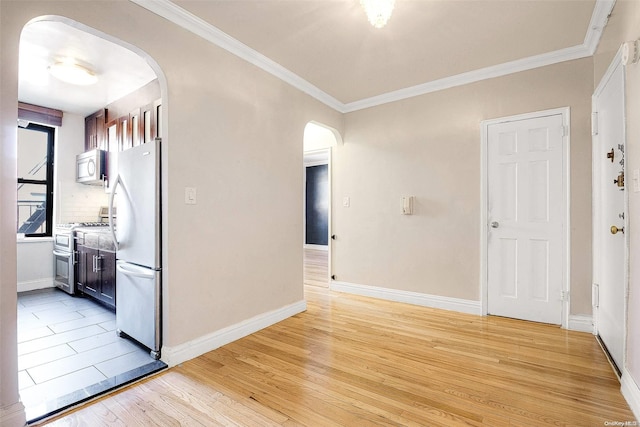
(68, 70)
(378, 11)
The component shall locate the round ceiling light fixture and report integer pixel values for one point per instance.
(378, 11)
(68, 70)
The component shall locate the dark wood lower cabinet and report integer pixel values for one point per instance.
(108, 277)
(96, 274)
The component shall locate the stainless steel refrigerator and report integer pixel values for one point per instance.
(137, 232)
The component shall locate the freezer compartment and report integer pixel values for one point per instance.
(138, 304)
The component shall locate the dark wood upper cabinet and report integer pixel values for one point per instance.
(147, 123)
(95, 130)
(157, 112)
(113, 135)
(125, 132)
(113, 146)
(134, 122)
(118, 127)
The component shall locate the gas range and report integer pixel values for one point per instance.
(64, 234)
(74, 225)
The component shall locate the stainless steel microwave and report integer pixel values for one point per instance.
(90, 167)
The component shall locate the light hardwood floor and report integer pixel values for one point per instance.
(316, 267)
(356, 361)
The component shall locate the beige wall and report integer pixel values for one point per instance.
(429, 147)
(11, 411)
(624, 25)
(233, 131)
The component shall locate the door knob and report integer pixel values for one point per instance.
(495, 224)
(615, 230)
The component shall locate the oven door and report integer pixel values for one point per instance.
(63, 269)
(63, 241)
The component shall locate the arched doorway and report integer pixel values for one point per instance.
(318, 143)
(68, 347)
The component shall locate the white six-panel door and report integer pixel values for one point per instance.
(525, 212)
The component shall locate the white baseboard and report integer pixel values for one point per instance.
(416, 298)
(194, 348)
(631, 393)
(580, 323)
(13, 415)
(32, 285)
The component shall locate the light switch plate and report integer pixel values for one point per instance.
(190, 195)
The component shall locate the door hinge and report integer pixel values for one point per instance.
(565, 130)
(595, 295)
(594, 123)
(564, 295)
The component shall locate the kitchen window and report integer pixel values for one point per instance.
(35, 179)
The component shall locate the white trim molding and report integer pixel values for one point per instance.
(200, 27)
(194, 348)
(599, 18)
(530, 63)
(32, 285)
(13, 415)
(580, 323)
(630, 392)
(415, 298)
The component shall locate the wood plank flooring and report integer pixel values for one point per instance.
(357, 361)
(316, 267)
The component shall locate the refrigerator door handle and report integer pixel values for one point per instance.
(134, 272)
(111, 197)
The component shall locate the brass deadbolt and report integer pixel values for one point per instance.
(610, 155)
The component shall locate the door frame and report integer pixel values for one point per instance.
(306, 164)
(566, 197)
(597, 199)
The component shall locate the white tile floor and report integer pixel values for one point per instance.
(66, 344)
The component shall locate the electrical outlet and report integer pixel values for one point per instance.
(346, 201)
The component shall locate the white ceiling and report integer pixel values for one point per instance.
(119, 70)
(327, 47)
(331, 44)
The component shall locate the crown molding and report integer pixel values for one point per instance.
(524, 64)
(599, 18)
(196, 25)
